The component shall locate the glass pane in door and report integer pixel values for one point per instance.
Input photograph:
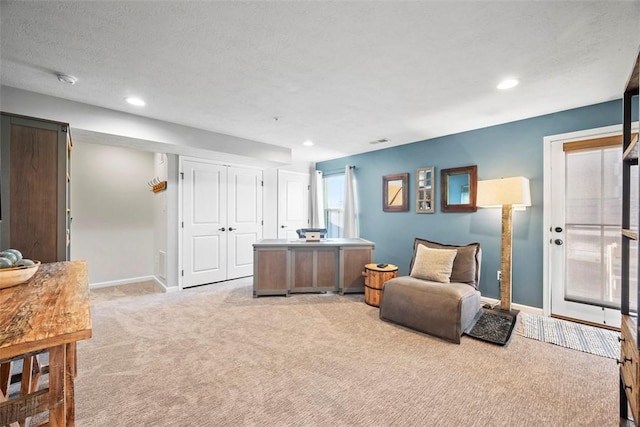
(592, 229)
(593, 265)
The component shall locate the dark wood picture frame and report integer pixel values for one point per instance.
(460, 197)
(395, 192)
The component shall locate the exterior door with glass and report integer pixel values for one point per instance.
(584, 233)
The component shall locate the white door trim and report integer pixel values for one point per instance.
(546, 219)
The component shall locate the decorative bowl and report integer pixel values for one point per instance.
(16, 275)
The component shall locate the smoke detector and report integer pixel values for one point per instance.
(66, 78)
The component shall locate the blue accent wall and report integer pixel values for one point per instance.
(511, 149)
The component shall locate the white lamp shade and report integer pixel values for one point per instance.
(504, 191)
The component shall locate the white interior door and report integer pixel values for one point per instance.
(204, 194)
(244, 219)
(293, 203)
(584, 232)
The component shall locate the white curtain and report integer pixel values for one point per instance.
(350, 229)
(317, 200)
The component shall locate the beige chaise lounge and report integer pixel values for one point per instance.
(440, 297)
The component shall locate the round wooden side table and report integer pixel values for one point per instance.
(374, 279)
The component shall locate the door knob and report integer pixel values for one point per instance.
(222, 229)
(558, 229)
(283, 226)
(558, 242)
(231, 228)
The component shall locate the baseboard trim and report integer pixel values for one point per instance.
(523, 308)
(132, 280)
(168, 289)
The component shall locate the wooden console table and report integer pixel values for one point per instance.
(285, 266)
(48, 313)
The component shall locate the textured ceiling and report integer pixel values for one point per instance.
(341, 74)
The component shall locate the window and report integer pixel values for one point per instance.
(334, 204)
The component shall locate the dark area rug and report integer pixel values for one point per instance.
(494, 326)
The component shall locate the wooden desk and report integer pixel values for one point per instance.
(50, 312)
(284, 266)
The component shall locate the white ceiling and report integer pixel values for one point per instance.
(341, 74)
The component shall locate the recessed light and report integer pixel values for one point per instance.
(136, 101)
(307, 143)
(66, 78)
(508, 84)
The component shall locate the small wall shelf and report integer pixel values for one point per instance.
(161, 186)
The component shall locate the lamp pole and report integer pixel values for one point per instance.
(505, 265)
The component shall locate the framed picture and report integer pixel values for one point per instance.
(458, 192)
(425, 184)
(395, 192)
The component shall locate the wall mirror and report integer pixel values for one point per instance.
(458, 189)
(425, 183)
(395, 192)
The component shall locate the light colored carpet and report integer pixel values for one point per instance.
(215, 356)
(598, 341)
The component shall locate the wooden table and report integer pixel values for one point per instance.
(48, 313)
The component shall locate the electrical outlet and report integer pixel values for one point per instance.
(499, 275)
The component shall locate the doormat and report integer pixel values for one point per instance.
(576, 336)
(494, 326)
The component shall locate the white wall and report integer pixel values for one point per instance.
(112, 207)
(160, 167)
(165, 222)
(171, 225)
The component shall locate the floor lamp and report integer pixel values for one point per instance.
(506, 193)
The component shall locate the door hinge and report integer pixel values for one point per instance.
(182, 224)
(262, 222)
(261, 183)
(182, 273)
(182, 175)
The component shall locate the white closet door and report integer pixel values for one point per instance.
(244, 219)
(204, 193)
